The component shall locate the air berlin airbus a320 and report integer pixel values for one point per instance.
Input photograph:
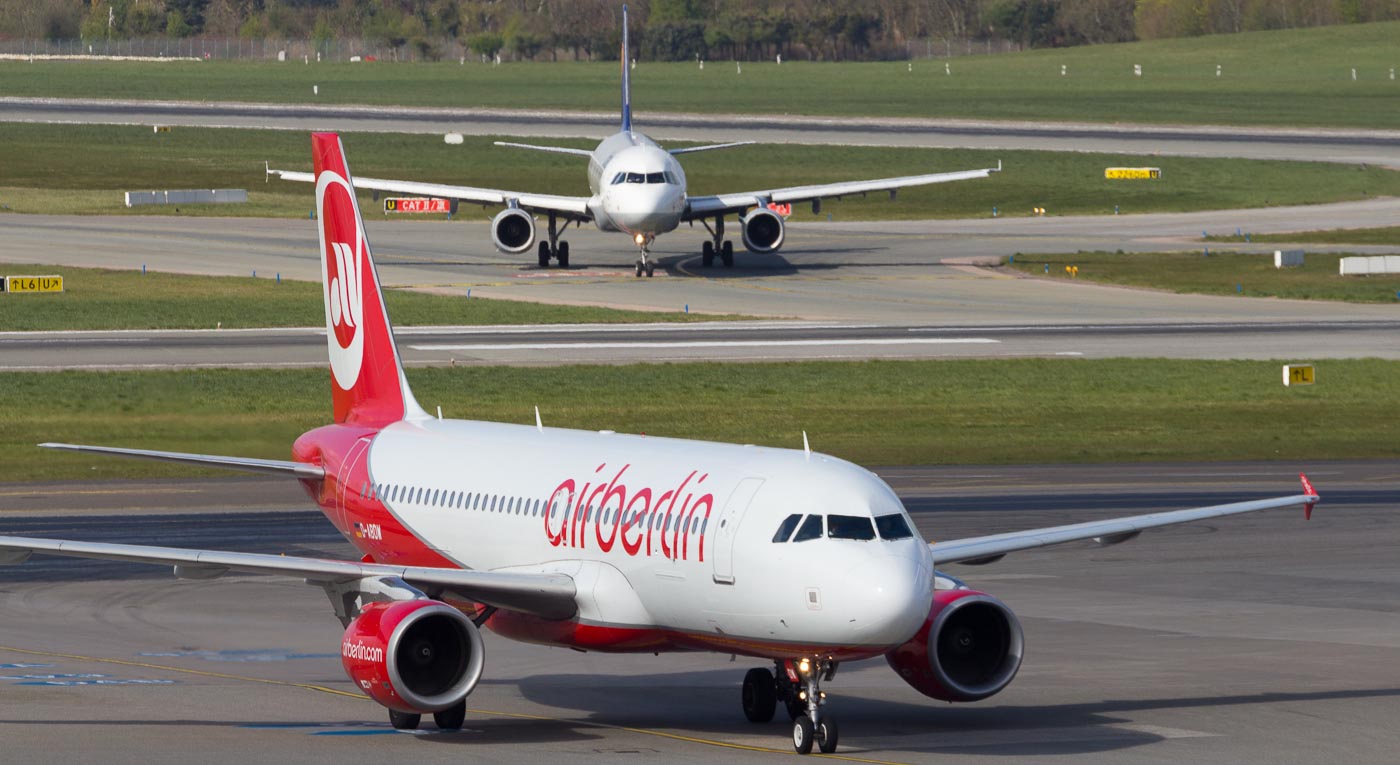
(615, 543)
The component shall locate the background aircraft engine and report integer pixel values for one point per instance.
(413, 655)
(968, 649)
(513, 230)
(763, 231)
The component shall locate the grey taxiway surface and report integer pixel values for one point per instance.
(1381, 147)
(1259, 639)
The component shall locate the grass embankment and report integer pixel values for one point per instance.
(953, 412)
(103, 299)
(1384, 236)
(1218, 274)
(83, 169)
(1286, 77)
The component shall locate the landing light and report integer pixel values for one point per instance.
(640, 239)
(804, 666)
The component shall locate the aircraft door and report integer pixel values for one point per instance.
(350, 471)
(726, 531)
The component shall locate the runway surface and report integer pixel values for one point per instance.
(898, 273)
(710, 341)
(1259, 639)
(1380, 147)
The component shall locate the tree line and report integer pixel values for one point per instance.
(675, 30)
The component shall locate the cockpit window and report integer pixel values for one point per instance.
(785, 530)
(619, 178)
(849, 527)
(671, 178)
(811, 529)
(636, 178)
(893, 527)
(656, 177)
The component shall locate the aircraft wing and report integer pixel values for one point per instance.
(547, 595)
(252, 465)
(571, 207)
(703, 207)
(988, 549)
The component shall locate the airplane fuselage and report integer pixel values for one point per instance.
(671, 542)
(638, 187)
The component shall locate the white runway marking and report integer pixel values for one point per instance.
(706, 344)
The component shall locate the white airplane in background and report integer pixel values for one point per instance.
(639, 188)
(618, 543)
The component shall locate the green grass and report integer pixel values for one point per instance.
(1287, 77)
(1218, 274)
(1383, 236)
(103, 299)
(1025, 410)
(70, 165)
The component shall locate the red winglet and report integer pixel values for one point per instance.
(1311, 492)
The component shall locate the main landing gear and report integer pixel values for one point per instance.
(554, 248)
(448, 719)
(798, 686)
(717, 245)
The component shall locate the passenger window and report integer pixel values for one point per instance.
(785, 530)
(810, 529)
(850, 527)
(893, 526)
(636, 178)
(656, 177)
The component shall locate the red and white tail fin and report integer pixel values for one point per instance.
(367, 381)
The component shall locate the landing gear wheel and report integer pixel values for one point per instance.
(453, 717)
(640, 269)
(562, 254)
(650, 269)
(759, 697)
(803, 735)
(404, 720)
(707, 254)
(827, 734)
(544, 254)
(726, 254)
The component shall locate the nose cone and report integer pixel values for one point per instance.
(645, 208)
(889, 599)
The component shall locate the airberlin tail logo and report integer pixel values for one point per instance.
(343, 263)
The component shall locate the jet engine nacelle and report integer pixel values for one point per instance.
(413, 655)
(513, 230)
(968, 649)
(763, 231)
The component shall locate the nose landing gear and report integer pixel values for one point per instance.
(644, 265)
(798, 685)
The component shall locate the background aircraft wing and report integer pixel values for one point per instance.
(702, 207)
(571, 207)
(547, 595)
(978, 550)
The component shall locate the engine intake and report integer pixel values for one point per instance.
(513, 230)
(413, 655)
(969, 648)
(763, 231)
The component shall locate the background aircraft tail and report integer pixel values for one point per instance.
(626, 77)
(367, 381)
